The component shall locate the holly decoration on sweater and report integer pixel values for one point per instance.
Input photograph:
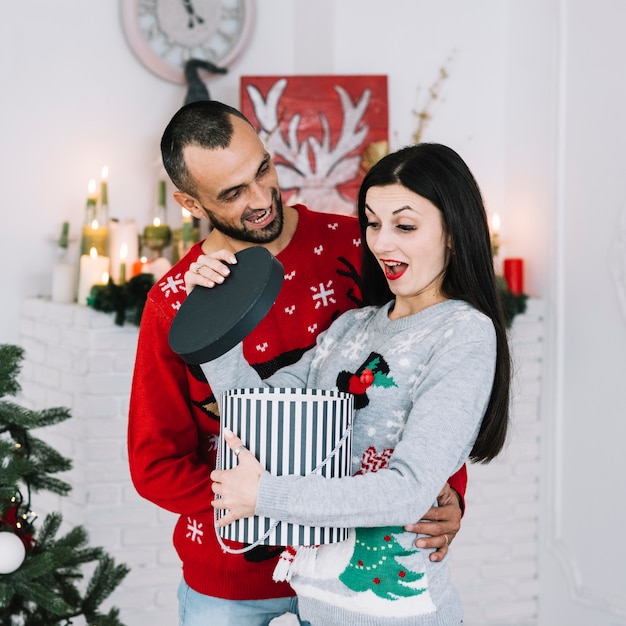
(373, 373)
(371, 567)
(41, 579)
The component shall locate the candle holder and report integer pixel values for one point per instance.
(157, 236)
(183, 239)
(495, 245)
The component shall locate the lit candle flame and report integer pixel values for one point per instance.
(93, 253)
(495, 223)
(156, 221)
(105, 277)
(186, 213)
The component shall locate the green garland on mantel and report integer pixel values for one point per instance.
(512, 304)
(127, 301)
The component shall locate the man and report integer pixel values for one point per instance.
(223, 173)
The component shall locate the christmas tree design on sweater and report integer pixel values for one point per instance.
(371, 567)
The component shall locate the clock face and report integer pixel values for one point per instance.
(165, 34)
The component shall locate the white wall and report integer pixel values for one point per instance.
(583, 561)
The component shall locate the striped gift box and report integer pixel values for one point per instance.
(290, 431)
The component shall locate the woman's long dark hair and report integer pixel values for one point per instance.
(440, 175)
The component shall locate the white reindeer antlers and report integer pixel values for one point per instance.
(314, 168)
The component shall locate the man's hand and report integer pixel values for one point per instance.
(441, 522)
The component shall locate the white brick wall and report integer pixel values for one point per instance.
(78, 358)
(494, 559)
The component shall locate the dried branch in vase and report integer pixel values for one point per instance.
(425, 114)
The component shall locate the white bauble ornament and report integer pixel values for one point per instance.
(12, 552)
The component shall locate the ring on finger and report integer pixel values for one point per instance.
(447, 540)
(238, 449)
(197, 268)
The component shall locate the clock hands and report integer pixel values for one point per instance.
(192, 14)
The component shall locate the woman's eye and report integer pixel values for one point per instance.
(406, 227)
(371, 225)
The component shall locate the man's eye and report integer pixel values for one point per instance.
(232, 196)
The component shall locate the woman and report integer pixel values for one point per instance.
(431, 358)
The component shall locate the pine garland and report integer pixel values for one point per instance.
(127, 301)
(511, 303)
(44, 590)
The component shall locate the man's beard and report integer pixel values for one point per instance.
(243, 233)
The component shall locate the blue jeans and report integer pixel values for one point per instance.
(196, 609)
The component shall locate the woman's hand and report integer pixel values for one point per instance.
(209, 270)
(237, 487)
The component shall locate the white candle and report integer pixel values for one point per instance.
(64, 283)
(122, 233)
(92, 268)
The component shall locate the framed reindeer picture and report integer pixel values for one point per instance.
(323, 132)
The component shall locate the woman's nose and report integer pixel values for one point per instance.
(380, 241)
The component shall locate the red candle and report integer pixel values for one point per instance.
(138, 266)
(514, 275)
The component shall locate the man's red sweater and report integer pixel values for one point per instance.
(173, 419)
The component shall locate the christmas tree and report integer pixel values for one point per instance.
(41, 575)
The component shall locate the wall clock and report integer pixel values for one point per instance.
(164, 34)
